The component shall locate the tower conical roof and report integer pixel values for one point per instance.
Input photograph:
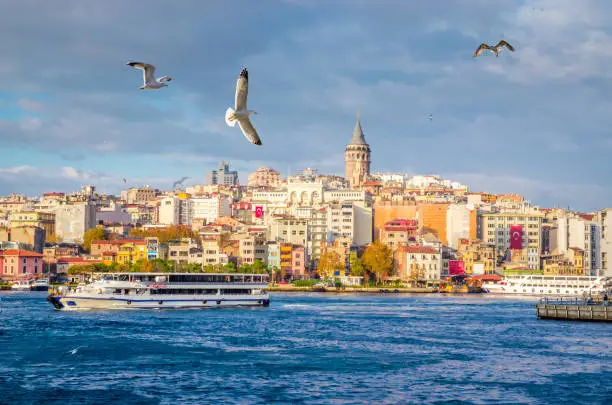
(358, 137)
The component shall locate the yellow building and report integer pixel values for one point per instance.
(131, 252)
(44, 220)
(474, 251)
(576, 256)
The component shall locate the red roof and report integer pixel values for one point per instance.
(118, 242)
(20, 252)
(588, 217)
(53, 194)
(418, 249)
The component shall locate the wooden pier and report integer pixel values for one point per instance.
(574, 309)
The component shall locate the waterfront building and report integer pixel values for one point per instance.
(20, 263)
(478, 257)
(495, 228)
(461, 223)
(604, 219)
(223, 175)
(417, 264)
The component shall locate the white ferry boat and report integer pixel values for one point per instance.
(163, 290)
(549, 285)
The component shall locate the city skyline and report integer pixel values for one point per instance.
(504, 125)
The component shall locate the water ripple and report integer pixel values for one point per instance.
(304, 349)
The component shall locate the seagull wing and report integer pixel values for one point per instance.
(148, 70)
(504, 43)
(480, 49)
(249, 130)
(242, 89)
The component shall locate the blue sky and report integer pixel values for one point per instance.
(535, 122)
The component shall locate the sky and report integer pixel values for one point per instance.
(535, 122)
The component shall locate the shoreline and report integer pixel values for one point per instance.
(334, 290)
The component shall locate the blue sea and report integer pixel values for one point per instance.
(304, 349)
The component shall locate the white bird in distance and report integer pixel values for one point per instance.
(150, 82)
(240, 114)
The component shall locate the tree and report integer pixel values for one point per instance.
(245, 268)
(379, 259)
(258, 267)
(53, 238)
(229, 268)
(357, 267)
(416, 274)
(329, 262)
(165, 234)
(91, 235)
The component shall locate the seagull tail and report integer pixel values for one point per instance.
(229, 117)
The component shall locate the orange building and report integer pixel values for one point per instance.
(432, 218)
(385, 211)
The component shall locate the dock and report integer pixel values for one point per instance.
(574, 309)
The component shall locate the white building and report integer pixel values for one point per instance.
(73, 220)
(457, 223)
(168, 211)
(211, 208)
(604, 219)
(585, 234)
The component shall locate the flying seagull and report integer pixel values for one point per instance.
(494, 49)
(124, 180)
(176, 183)
(430, 117)
(150, 82)
(241, 114)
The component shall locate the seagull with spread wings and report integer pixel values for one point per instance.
(240, 113)
(497, 49)
(148, 73)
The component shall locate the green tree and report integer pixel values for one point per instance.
(357, 267)
(259, 267)
(416, 274)
(229, 268)
(329, 262)
(92, 234)
(379, 259)
(245, 268)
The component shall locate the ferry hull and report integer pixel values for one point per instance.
(75, 303)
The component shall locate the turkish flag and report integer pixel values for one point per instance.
(516, 237)
(258, 211)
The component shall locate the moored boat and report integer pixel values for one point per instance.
(542, 285)
(22, 285)
(41, 284)
(163, 290)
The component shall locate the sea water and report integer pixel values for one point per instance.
(306, 348)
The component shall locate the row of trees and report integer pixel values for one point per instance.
(166, 266)
(376, 263)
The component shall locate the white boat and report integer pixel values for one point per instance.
(549, 285)
(42, 284)
(22, 285)
(163, 290)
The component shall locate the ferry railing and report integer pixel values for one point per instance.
(573, 300)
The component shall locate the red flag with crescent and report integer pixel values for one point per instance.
(258, 211)
(516, 237)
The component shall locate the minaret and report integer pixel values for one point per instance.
(357, 157)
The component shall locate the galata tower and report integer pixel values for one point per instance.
(357, 158)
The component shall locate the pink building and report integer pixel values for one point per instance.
(297, 261)
(19, 263)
